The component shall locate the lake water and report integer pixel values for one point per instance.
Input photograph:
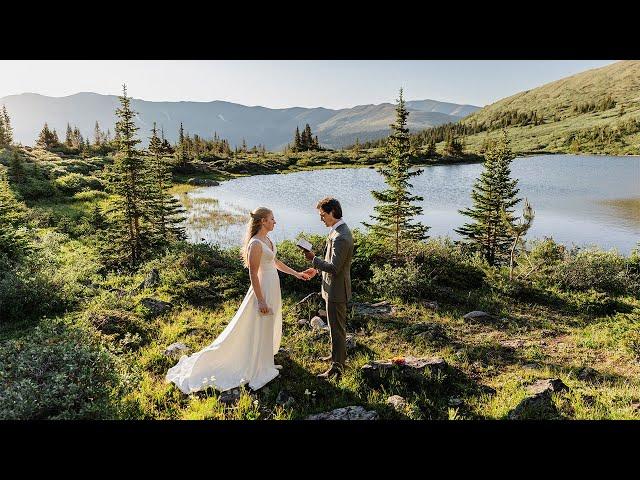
(582, 200)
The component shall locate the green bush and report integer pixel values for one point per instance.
(90, 195)
(606, 272)
(409, 281)
(293, 256)
(125, 328)
(58, 371)
(592, 302)
(74, 182)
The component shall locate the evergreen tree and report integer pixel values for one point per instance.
(47, 139)
(297, 143)
(180, 150)
(6, 130)
(307, 139)
(16, 168)
(97, 135)
(166, 212)
(431, 148)
(394, 209)
(68, 141)
(493, 193)
(127, 236)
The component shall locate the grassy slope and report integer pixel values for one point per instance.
(620, 80)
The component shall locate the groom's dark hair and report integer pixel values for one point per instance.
(330, 204)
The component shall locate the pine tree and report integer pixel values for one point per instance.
(493, 193)
(307, 138)
(181, 155)
(166, 212)
(47, 139)
(16, 168)
(7, 131)
(97, 135)
(68, 141)
(297, 143)
(394, 209)
(127, 236)
(316, 144)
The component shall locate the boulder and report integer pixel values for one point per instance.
(285, 399)
(479, 315)
(587, 373)
(175, 348)
(539, 404)
(351, 342)
(322, 313)
(454, 402)
(157, 307)
(515, 343)
(303, 321)
(408, 368)
(380, 309)
(427, 330)
(205, 182)
(230, 397)
(397, 402)
(346, 413)
(317, 323)
(431, 305)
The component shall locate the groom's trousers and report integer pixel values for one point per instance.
(337, 318)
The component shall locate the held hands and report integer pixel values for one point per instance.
(310, 272)
(302, 275)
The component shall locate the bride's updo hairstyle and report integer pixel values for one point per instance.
(253, 227)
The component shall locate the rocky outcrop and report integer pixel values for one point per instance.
(407, 368)
(157, 307)
(479, 315)
(203, 182)
(346, 413)
(539, 403)
(397, 402)
(380, 309)
(175, 348)
(317, 324)
(230, 397)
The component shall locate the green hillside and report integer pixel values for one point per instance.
(597, 111)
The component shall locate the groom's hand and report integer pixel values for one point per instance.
(309, 255)
(310, 272)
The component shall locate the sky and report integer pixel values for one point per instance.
(289, 83)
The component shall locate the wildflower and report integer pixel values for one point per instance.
(307, 392)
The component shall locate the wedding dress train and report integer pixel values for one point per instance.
(243, 352)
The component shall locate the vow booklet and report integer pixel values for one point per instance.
(305, 245)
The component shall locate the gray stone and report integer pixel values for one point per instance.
(587, 373)
(455, 402)
(230, 397)
(539, 404)
(346, 413)
(635, 406)
(380, 309)
(427, 330)
(322, 313)
(351, 342)
(203, 182)
(431, 305)
(547, 386)
(285, 399)
(317, 323)
(478, 315)
(176, 348)
(397, 402)
(409, 368)
(152, 279)
(303, 321)
(515, 343)
(157, 307)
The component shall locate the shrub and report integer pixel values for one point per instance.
(74, 182)
(125, 328)
(407, 282)
(292, 256)
(59, 371)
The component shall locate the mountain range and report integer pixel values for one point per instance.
(273, 128)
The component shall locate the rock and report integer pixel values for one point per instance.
(539, 404)
(351, 342)
(156, 306)
(317, 323)
(515, 343)
(431, 305)
(230, 396)
(397, 402)
(635, 406)
(303, 321)
(203, 182)
(455, 402)
(408, 368)
(478, 315)
(530, 365)
(346, 413)
(587, 373)
(153, 279)
(547, 386)
(380, 309)
(283, 351)
(285, 399)
(175, 348)
(322, 313)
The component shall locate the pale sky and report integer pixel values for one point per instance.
(289, 83)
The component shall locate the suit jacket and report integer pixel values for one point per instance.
(336, 266)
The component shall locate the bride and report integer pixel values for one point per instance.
(243, 352)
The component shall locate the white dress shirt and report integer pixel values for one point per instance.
(335, 225)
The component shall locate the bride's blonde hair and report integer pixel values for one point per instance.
(253, 227)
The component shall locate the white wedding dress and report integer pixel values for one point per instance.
(243, 352)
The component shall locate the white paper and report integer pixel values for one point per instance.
(302, 243)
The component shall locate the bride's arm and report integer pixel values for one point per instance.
(255, 253)
(280, 265)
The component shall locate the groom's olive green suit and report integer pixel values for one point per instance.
(336, 288)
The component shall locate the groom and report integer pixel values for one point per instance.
(336, 280)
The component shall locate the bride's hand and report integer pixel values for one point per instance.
(310, 272)
(263, 307)
(301, 276)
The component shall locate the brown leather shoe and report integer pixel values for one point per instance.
(325, 359)
(331, 372)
